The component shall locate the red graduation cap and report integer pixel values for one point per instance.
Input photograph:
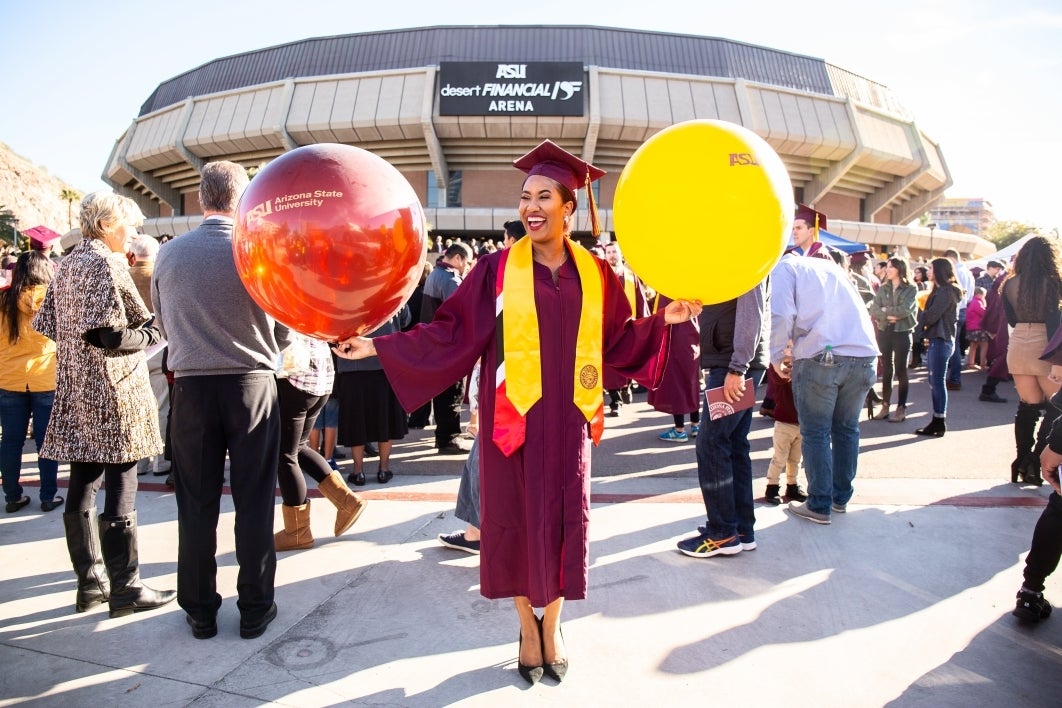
(814, 219)
(553, 161)
(41, 237)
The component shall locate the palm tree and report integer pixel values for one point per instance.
(70, 196)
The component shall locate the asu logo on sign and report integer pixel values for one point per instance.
(511, 71)
(742, 158)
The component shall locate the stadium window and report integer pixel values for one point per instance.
(448, 197)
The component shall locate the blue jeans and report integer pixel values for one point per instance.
(940, 351)
(955, 360)
(829, 400)
(724, 467)
(467, 508)
(15, 410)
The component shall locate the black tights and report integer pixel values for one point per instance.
(1046, 545)
(119, 493)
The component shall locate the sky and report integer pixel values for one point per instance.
(983, 78)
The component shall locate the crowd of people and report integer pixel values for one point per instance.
(130, 359)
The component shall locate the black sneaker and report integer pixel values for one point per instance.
(1031, 606)
(458, 542)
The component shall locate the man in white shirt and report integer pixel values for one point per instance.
(832, 366)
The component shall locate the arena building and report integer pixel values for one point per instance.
(451, 107)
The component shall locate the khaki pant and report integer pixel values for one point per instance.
(786, 444)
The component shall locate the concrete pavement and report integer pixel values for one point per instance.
(903, 601)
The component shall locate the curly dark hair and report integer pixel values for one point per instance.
(1039, 264)
(32, 268)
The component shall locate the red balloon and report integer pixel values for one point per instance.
(330, 240)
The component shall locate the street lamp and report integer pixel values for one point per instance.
(932, 227)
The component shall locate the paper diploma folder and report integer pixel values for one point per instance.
(719, 407)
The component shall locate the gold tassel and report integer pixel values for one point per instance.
(595, 223)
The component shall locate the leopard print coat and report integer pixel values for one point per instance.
(104, 410)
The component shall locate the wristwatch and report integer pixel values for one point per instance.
(735, 372)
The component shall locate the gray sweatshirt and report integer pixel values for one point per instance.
(212, 324)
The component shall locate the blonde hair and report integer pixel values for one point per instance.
(103, 212)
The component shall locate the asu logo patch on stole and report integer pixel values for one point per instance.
(588, 376)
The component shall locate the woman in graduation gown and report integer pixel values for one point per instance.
(545, 315)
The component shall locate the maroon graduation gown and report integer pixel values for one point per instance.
(679, 392)
(535, 505)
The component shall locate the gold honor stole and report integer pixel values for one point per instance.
(519, 374)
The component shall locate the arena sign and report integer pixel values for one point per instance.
(492, 89)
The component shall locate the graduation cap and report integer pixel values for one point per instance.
(814, 219)
(41, 237)
(553, 161)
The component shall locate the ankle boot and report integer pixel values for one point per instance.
(118, 539)
(772, 495)
(296, 533)
(1025, 420)
(348, 505)
(793, 492)
(83, 543)
(936, 428)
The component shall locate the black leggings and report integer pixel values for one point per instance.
(298, 411)
(895, 347)
(120, 492)
(1046, 545)
(680, 419)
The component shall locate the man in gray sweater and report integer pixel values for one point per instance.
(734, 340)
(223, 351)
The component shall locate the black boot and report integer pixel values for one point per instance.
(128, 594)
(936, 428)
(988, 393)
(793, 492)
(1025, 420)
(772, 496)
(83, 543)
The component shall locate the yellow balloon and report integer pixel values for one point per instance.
(703, 210)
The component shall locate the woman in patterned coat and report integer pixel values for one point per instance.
(104, 417)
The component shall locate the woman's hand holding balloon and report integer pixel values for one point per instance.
(355, 348)
(680, 311)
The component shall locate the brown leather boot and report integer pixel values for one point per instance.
(348, 505)
(296, 533)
